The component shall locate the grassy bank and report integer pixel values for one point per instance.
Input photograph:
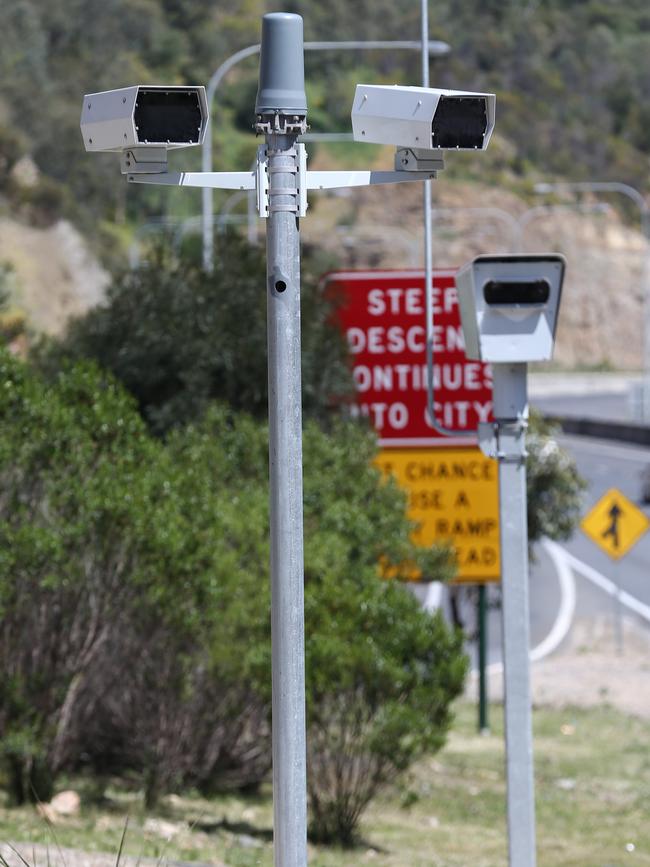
(593, 807)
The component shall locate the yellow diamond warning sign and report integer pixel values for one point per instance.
(453, 497)
(615, 524)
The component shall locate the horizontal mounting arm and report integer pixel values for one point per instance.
(246, 180)
(334, 180)
(216, 180)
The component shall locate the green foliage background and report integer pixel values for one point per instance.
(178, 338)
(571, 78)
(134, 600)
(116, 545)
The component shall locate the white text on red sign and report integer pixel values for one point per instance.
(383, 316)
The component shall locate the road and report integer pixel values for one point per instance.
(608, 396)
(570, 583)
(613, 465)
(575, 580)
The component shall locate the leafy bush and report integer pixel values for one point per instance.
(553, 483)
(382, 675)
(111, 552)
(179, 338)
(66, 459)
(134, 599)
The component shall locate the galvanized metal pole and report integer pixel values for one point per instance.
(511, 414)
(483, 722)
(618, 608)
(428, 227)
(281, 109)
(428, 249)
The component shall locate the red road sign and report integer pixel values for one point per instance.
(383, 316)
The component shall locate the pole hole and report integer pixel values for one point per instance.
(280, 285)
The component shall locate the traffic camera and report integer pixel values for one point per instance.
(509, 306)
(422, 117)
(143, 122)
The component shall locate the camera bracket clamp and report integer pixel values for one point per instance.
(504, 440)
(418, 160)
(145, 160)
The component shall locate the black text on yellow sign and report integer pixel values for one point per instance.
(454, 497)
(615, 524)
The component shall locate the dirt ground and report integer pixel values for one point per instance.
(588, 670)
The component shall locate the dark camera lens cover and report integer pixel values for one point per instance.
(516, 293)
(459, 122)
(168, 116)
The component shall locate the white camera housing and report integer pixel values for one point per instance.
(509, 306)
(144, 116)
(422, 117)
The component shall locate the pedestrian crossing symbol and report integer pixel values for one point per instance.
(615, 524)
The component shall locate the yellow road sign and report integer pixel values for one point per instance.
(615, 524)
(453, 496)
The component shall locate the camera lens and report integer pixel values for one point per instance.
(163, 116)
(459, 122)
(516, 293)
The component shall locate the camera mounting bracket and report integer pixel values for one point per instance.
(419, 166)
(418, 160)
(143, 160)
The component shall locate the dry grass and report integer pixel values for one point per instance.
(593, 805)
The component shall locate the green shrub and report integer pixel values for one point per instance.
(134, 598)
(554, 486)
(382, 675)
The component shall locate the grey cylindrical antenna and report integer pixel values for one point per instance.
(282, 66)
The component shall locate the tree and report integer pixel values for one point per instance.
(381, 673)
(382, 676)
(554, 486)
(401, 681)
(106, 542)
(134, 597)
(179, 338)
(67, 455)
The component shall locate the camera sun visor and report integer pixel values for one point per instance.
(426, 118)
(509, 306)
(144, 118)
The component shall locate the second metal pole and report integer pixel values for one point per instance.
(483, 722)
(511, 413)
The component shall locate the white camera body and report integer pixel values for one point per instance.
(144, 116)
(422, 117)
(509, 306)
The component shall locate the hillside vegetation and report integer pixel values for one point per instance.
(572, 78)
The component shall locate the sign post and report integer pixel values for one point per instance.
(511, 414)
(483, 707)
(509, 307)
